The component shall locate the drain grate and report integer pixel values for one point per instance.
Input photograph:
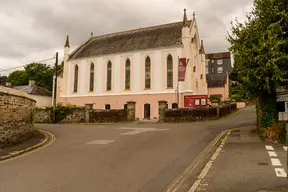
(262, 163)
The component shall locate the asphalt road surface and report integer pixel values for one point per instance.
(114, 158)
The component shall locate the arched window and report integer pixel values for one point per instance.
(76, 78)
(127, 74)
(91, 85)
(109, 76)
(169, 71)
(147, 73)
(107, 107)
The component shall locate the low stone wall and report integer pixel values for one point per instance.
(194, 114)
(16, 116)
(72, 114)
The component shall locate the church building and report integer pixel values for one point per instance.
(140, 65)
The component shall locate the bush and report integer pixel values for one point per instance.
(61, 111)
(215, 97)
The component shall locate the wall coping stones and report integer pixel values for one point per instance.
(14, 92)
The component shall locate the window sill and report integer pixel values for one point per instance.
(127, 89)
(147, 89)
(169, 87)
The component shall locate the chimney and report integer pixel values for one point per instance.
(31, 83)
(8, 84)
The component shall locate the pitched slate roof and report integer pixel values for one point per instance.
(138, 39)
(33, 90)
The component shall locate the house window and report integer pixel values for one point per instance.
(174, 105)
(169, 71)
(207, 69)
(127, 74)
(147, 73)
(109, 76)
(76, 78)
(220, 69)
(91, 87)
(107, 107)
(219, 61)
(212, 70)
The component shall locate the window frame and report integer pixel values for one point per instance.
(169, 72)
(147, 62)
(109, 76)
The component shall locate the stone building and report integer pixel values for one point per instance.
(138, 65)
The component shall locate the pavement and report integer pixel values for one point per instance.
(248, 164)
(116, 158)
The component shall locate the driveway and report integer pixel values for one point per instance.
(114, 158)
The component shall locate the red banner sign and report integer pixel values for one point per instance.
(182, 69)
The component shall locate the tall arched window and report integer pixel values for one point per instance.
(109, 76)
(91, 85)
(147, 73)
(169, 71)
(127, 74)
(76, 78)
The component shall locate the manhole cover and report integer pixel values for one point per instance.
(261, 163)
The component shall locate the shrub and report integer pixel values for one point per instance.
(115, 115)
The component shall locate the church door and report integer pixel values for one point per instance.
(147, 111)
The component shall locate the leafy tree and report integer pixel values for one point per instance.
(42, 74)
(259, 46)
(18, 77)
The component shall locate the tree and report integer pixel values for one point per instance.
(261, 62)
(18, 77)
(42, 74)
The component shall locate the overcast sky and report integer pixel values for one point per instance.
(33, 30)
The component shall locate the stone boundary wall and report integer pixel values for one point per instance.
(86, 114)
(16, 116)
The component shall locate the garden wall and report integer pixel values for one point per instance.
(73, 114)
(194, 114)
(16, 116)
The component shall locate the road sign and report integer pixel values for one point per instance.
(283, 116)
(281, 98)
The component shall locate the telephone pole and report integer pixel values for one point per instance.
(55, 87)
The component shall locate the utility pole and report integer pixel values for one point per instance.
(55, 88)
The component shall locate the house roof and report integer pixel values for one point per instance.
(33, 90)
(220, 55)
(166, 35)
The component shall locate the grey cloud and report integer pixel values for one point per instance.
(43, 25)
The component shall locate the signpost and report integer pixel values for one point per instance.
(282, 97)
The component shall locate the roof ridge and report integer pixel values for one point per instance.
(138, 29)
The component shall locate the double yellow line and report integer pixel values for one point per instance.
(49, 139)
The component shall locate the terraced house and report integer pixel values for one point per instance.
(138, 65)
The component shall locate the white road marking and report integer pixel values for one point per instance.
(285, 148)
(269, 147)
(272, 154)
(276, 162)
(100, 142)
(280, 172)
(207, 167)
(135, 131)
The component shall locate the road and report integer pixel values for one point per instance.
(114, 158)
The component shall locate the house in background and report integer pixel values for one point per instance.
(217, 73)
(43, 97)
(138, 65)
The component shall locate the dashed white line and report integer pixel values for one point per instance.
(272, 154)
(280, 172)
(269, 147)
(276, 162)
